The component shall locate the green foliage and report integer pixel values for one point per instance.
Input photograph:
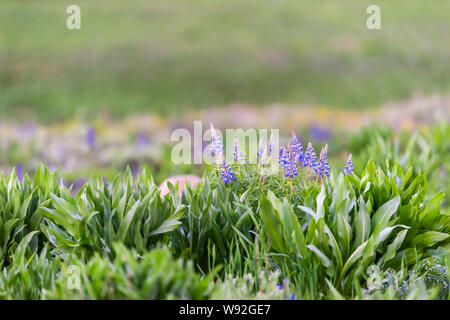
(19, 214)
(215, 216)
(324, 236)
(427, 153)
(129, 210)
(29, 273)
(381, 218)
(155, 275)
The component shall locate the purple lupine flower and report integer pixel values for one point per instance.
(348, 169)
(284, 160)
(260, 148)
(283, 285)
(289, 161)
(90, 137)
(271, 144)
(299, 147)
(323, 168)
(309, 157)
(238, 155)
(226, 173)
(216, 143)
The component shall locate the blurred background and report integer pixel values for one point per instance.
(107, 97)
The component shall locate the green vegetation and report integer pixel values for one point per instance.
(380, 234)
(166, 56)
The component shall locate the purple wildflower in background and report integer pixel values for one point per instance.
(134, 167)
(64, 183)
(323, 168)
(348, 169)
(19, 172)
(142, 139)
(78, 183)
(320, 134)
(226, 173)
(90, 137)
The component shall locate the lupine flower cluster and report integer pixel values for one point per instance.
(293, 156)
(216, 144)
(238, 155)
(348, 169)
(309, 157)
(322, 168)
(290, 159)
(226, 172)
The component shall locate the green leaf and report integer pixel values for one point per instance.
(362, 223)
(322, 257)
(394, 246)
(384, 214)
(429, 238)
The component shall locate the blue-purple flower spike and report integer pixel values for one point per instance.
(226, 173)
(298, 146)
(309, 157)
(216, 143)
(323, 168)
(289, 160)
(238, 155)
(271, 145)
(348, 169)
(260, 148)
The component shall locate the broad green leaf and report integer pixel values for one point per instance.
(429, 238)
(384, 213)
(394, 246)
(322, 257)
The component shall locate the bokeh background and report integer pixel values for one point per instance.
(107, 97)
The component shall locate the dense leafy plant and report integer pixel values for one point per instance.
(19, 203)
(381, 218)
(298, 231)
(128, 210)
(215, 215)
(155, 275)
(427, 152)
(29, 274)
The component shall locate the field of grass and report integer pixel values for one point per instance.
(164, 56)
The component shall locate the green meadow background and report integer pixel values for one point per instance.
(134, 57)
